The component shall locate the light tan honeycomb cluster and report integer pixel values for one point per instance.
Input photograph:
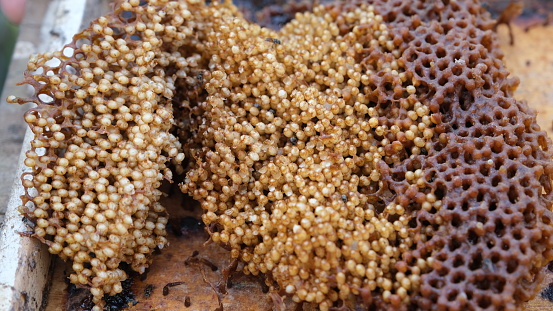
(368, 153)
(101, 145)
(292, 151)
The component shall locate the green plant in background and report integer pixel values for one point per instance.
(11, 13)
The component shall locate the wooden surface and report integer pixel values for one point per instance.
(531, 60)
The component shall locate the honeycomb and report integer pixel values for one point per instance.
(368, 153)
(101, 147)
(490, 239)
(457, 210)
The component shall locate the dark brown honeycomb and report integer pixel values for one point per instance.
(491, 236)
